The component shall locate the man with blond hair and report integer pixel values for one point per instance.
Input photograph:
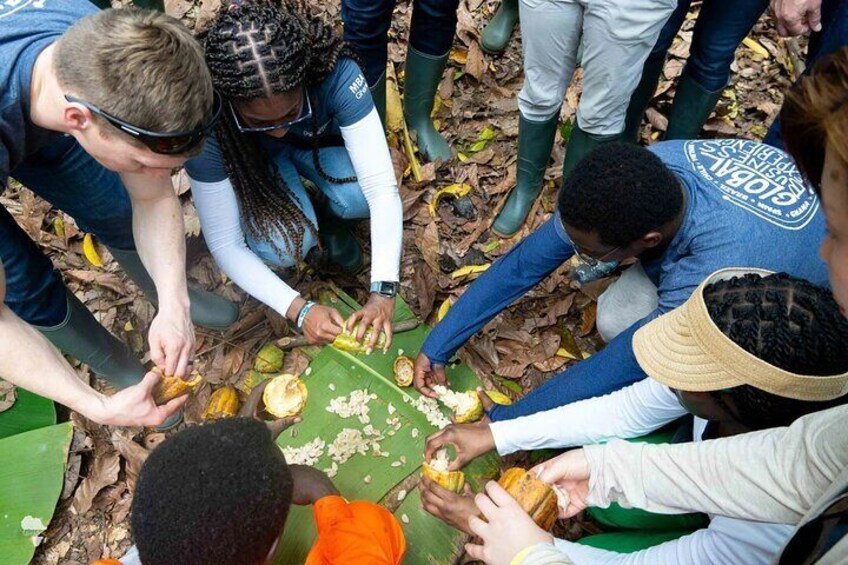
(96, 110)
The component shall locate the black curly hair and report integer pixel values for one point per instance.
(256, 49)
(787, 322)
(621, 192)
(212, 494)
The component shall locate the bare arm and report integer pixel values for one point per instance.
(29, 361)
(160, 239)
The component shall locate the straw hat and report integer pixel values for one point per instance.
(684, 349)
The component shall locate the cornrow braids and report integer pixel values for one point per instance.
(256, 50)
(787, 322)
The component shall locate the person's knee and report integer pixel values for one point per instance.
(606, 322)
(711, 70)
(349, 204)
(537, 107)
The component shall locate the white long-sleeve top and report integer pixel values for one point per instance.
(631, 412)
(218, 210)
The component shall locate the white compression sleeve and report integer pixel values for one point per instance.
(218, 210)
(365, 142)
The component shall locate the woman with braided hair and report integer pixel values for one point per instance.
(295, 105)
(748, 351)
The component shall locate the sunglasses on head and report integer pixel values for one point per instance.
(304, 114)
(161, 143)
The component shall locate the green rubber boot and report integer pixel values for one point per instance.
(423, 74)
(581, 144)
(339, 245)
(207, 309)
(535, 140)
(497, 32)
(692, 105)
(83, 337)
(641, 97)
(378, 95)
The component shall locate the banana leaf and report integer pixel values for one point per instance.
(29, 412)
(429, 541)
(31, 477)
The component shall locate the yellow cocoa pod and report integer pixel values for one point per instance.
(224, 403)
(169, 388)
(346, 341)
(466, 406)
(252, 379)
(269, 359)
(536, 497)
(437, 469)
(285, 396)
(404, 370)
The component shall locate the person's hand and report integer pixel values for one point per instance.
(134, 406)
(569, 471)
(451, 508)
(322, 324)
(377, 314)
(171, 340)
(469, 440)
(427, 375)
(254, 407)
(796, 17)
(508, 529)
(310, 485)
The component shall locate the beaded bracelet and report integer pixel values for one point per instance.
(302, 314)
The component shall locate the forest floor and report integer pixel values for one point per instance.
(477, 112)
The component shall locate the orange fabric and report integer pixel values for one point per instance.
(106, 562)
(355, 533)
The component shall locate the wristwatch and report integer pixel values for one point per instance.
(385, 288)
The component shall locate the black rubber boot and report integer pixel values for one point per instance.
(378, 95)
(581, 144)
(207, 309)
(692, 105)
(340, 247)
(535, 140)
(423, 74)
(497, 32)
(83, 337)
(642, 96)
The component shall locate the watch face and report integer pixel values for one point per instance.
(385, 288)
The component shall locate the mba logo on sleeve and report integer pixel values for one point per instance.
(756, 177)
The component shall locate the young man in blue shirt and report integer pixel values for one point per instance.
(684, 209)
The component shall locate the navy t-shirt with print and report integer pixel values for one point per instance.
(340, 100)
(27, 27)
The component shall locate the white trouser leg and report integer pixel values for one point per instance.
(629, 299)
(617, 38)
(550, 36)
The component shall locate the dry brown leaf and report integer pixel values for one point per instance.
(178, 8)
(206, 12)
(106, 280)
(476, 63)
(132, 452)
(428, 244)
(233, 361)
(657, 120)
(424, 283)
(104, 472)
(587, 319)
(7, 395)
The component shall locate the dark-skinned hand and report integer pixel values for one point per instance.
(451, 508)
(310, 485)
(428, 375)
(469, 440)
(254, 407)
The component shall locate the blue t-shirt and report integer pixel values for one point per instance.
(27, 27)
(340, 100)
(747, 206)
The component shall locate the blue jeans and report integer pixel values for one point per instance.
(66, 176)
(832, 37)
(367, 22)
(344, 200)
(720, 28)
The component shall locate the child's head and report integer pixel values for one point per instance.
(216, 493)
(759, 349)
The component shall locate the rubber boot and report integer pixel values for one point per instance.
(535, 140)
(497, 32)
(81, 336)
(581, 144)
(378, 95)
(642, 96)
(339, 245)
(423, 74)
(207, 309)
(692, 105)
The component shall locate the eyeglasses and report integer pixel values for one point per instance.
(305, 114)
(588, 259)
(158, 142)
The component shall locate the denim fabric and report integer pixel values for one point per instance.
(66, 176)
(367, 22)
(832, 37)
(720, 28)
(345, 200)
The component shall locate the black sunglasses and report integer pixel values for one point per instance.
(305, 114)
(161, 143)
